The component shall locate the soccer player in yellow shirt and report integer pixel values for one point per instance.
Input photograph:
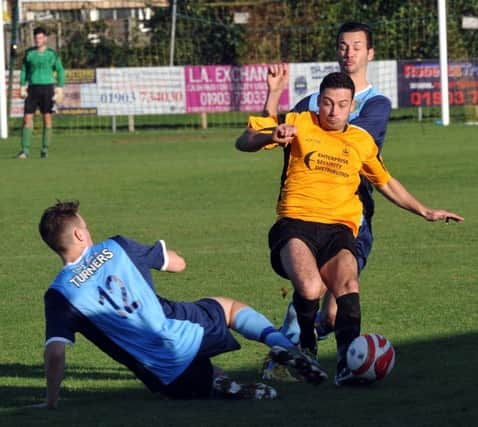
(313, 241)
(355, 49)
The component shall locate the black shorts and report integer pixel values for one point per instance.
(39, 96)
(323, 240)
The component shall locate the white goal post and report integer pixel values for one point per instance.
(3, 87)
(445, 103)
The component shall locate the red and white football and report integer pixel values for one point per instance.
(371, 357)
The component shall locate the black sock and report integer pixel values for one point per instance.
(347, 325)
(306, 312)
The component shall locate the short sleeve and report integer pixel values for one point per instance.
(374, 118)
(60, 318)
(309, 103)
(154, 256)
(374, 170)
(265, 125)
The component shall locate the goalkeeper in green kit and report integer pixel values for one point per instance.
(37, 87)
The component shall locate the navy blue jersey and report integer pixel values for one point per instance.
(108, 296)
(371, 112)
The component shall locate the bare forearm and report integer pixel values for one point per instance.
(54, 379)
(399, 195)
(176, 263)
(277, 82)
(55, 369)
(253, 141)
(271, 107)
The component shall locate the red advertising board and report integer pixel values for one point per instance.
(419, 83)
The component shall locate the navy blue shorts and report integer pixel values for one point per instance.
(196, 380)
(324, 240)
(210, 315)
(363, 243)
(194, 383)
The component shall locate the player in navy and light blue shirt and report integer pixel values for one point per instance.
(105, 292)
(371, 112)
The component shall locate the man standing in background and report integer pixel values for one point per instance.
(37, 87)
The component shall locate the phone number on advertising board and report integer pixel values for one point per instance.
(117, 97)
(457, 97)
(143, 96)
(234, 98)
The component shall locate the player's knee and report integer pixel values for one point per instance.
(351, 286)
(310, 290)
(231, 307)
(322, 291)
(348, 287)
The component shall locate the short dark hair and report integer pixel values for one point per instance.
(354, 27)
(53, 222)
(337, 80)
(39, 30)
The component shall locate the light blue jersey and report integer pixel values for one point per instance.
(106, 296)
(360, 99)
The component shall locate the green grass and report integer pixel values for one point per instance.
(215, 206)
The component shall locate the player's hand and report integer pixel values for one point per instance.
(23, 92)
(58, 97)
(437, 215)
(284, 133)
(278, 77)
(42, 405)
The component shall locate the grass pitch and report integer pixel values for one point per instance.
(215, 206)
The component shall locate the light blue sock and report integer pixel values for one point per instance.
(290, 327)
(255, 326)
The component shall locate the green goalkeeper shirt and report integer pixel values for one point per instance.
(38, 68)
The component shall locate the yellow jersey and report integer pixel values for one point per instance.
(322, 169)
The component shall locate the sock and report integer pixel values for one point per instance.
(347, 325)
(306, 312)
(26, 137)
(323, 325)
(255, 326)
(290, 326)
(46, 138)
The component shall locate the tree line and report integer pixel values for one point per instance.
(289, 31)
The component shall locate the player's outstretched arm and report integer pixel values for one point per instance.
(277, 82)
(252, 140)
(54, 369)
(398, 194)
